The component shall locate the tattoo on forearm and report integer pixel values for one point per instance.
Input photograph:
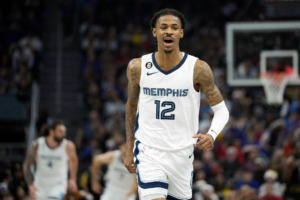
(133, 73)
(28, 177)
(130, 123)
(30, 159)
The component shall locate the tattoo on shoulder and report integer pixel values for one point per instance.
(203, 76)
(133, 71)
(133, 74)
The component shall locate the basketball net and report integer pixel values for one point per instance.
(274, 85)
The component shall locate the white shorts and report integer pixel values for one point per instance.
(169, 173)
(50, 193)
(116, 195)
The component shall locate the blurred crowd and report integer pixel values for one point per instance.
(257, 156)
(20, 57)
(20, 46)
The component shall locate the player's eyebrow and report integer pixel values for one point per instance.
(164, 24)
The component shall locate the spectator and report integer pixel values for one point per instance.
(247, 179)
(292, 173)
(206, 193)
(270, 193)
(231, 164)
(270, 187)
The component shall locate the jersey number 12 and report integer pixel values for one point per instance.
(164, 113)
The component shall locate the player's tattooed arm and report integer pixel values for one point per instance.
(30, 160)
(204, 80)
(133, 75)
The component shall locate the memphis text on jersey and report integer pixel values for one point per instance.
(165, 92)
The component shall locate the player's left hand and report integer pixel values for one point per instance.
(72, 186)
(127, 196)
(205, 141)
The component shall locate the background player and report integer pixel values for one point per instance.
(162, 112)
(119, 183)
(53, 156)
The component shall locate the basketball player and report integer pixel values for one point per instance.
(53, 156)
(162, 112)
(119, 183)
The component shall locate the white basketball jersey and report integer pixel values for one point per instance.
(118, 181)
(51, 165)
(168, 109)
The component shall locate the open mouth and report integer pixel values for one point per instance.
(168, 41)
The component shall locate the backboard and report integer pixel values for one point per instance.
(260, 47)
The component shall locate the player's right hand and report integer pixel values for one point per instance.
(96, 187)
(128, 161)
(32, 190)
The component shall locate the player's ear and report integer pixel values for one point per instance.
(181, 33)
(154, 32)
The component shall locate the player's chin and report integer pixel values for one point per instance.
(168, 51)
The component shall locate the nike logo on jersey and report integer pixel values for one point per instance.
(148, 73)
(190, 155)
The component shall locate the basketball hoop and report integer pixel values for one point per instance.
(274, 85)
